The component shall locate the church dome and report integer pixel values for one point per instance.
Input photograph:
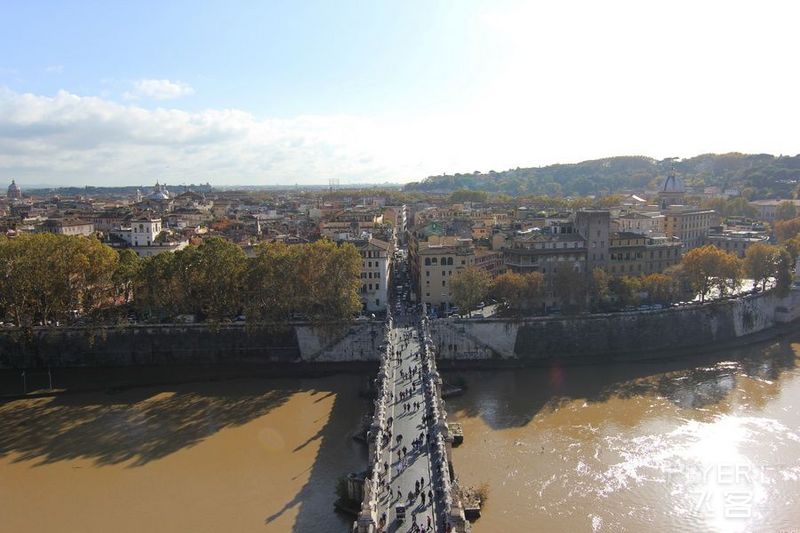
(13, 190)
(160, 193)
(674, 184)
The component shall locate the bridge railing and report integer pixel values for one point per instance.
(367, 521)
(440, 463)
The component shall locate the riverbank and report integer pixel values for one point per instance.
(114, 380)
(776, 332)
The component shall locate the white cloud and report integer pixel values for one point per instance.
(74, 139)
(54, 69)
(158, 90)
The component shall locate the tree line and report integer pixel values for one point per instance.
(48, 279)
(703, 271)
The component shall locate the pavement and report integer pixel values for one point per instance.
(407, 470)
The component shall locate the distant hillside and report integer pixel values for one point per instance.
(756, 175)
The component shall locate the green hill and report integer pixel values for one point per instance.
(756, 175)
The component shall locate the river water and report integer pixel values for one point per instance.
(258, 455)
(701, 444)
(710, 444)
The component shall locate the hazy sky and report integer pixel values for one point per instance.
(299, 92)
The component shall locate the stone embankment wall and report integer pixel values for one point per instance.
(620, 335)
(189, 343)
(638, 334)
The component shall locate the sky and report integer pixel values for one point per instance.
(269, 93)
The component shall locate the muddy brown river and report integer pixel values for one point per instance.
(701, 444)
(709, 444)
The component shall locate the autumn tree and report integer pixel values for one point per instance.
(708, 267)
(469, 287)
(761, 262)
(519, 292)
(793, 247)
(509, 287)
(46, 278)
(335, 283)
(599, 287)
(659, 288)
(786, 229)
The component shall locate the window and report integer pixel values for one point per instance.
(427, 273)
(443, 283)
(449, 260)
(377, 275)
(377, 302)
(427, 261)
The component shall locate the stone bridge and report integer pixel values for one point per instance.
(409, 441)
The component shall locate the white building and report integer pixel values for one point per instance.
(144, 231)
(143, 237)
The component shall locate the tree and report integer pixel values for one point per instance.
(46, 278)
(785, 272)
(155, 291)
(786, 229)
(466, 195)
(708, 267)
(215, 273)
(533, 290)
(599, 287)
(129, 266)
(761, 262)
(272, 292)
(337, 282)
(469, 287)
(509, 287)
(569, 287)
(626, 290)
(519, 292)
(785, 210)
(658, 288)
(793, 247)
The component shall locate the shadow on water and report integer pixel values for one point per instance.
(511, 398)
(139, 425)
(338, 455)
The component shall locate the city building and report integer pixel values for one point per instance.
(768, 208)
(634, 254)
(14, 192)
(649, 223)
(433, 264)
(735, 241)
(61, 226)
(375, 271)
(688, 224)
(594, 226)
